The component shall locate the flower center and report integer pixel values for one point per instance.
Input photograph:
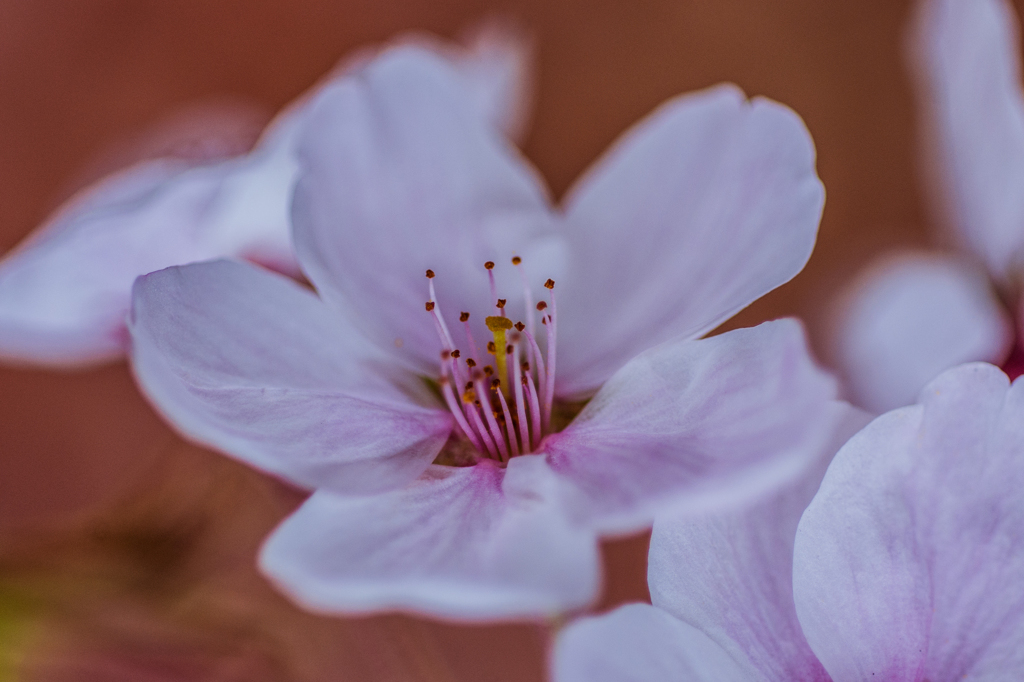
(502, 401)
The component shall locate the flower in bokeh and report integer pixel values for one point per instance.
(910, 317)
(65, 292)
(905, 565)
(466, 468)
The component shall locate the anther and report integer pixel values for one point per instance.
(470, 362)
(542, 305)
(430, 274)
(516, 260)
(445, 354)
(463, 317)
(489, 265)
(456, 353)
(501, 303)
(495, 383)
(550, 284)
(508, 349)
(430, 306)
(520, 326)
(491, 348)
(488, 370)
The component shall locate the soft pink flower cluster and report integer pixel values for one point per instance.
(381, 305)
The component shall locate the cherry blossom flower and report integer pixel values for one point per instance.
(65, 292)
(905, 565)
(481, 385)
(910, 317)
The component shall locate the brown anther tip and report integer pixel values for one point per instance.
(490, 346)
(471, 362)
(430, 274)
(489, 265)
(520, 326)
(515, 337)
(542, 305)
(456, 353)
(526, 367)
(508, 349)
(488, 370)
(445, 354)
(516, 260)
(495, 383)
(550, 284)
(463, 316)
(501, 302)
(469, 385)
(544, 320)
(430, 306)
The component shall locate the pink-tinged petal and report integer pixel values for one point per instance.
(692, 425)
(641, 643)
(967, 54)
(401, 175)
(731, 574)
(65, 292)
(248, 362)
(909, 562)
(910, 317)
(471, 543)
(700, 209)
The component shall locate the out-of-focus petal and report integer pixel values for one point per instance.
(471, 543)
(494, 60)
(64, 293)
(908, 561)
(692, 425)
(400, 174)
(497, 63)
(731, 574)
(967, 59)
(910, 317)
(700, 209)
(641, 643)
(251, 363)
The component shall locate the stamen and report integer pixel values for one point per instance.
(432, 307)
(542, 377)
(456, 410)
(534, 404)
(549, 390)
(490, 274)
(498, 327)
(509, 426)
(500, 305)
(492, 423)
(524, 427)
(527, 292)
(474, 416)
